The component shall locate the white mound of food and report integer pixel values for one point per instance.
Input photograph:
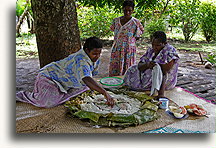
(111, 81)
(123, 104)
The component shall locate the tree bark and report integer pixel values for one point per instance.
(56, 29)
(164, 8)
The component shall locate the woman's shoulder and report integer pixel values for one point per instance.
(170, 50)
(117, 18)
(135, 19)
(170, 47)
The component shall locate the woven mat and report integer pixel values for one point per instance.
(194, 123)
(31, 119)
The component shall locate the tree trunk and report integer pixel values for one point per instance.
(164, 8)
(56, 29)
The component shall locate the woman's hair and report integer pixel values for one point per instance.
(129, 3)
(160, 35)
(92, 42)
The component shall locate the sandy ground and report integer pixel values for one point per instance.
(192, 74)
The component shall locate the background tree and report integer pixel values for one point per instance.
(185, 13)
(23, 9)
(58, 32)
(56, 25)
(208, 20)
(56, 29)
(95, 21)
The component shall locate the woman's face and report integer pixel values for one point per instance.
(94, 54)
(157, 45)
(128, 11)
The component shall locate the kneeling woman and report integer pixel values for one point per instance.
(58, 81)
(139, 77)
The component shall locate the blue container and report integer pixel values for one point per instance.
(164, 103)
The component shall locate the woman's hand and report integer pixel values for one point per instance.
(151, 65)
(159, 96)
(95, 86)
(110, 100)
(143, 66)
(137, 38)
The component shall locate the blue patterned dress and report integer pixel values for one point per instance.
(58, 81)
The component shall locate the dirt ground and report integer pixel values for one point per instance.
(192, 75)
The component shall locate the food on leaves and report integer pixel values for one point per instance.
(196, 109)
(178, 115)
(127, 110)
(178, 112)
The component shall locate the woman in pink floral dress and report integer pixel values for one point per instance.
(139, 77)
(127, 30)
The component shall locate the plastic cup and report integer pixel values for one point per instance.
(164, 103)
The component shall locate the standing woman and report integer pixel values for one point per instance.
(127, 30)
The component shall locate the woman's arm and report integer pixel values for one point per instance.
(144, 66)
(137, 38)
(167, 67)
(95, 86)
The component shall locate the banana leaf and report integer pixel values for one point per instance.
(145, 115)
(117, 90)
(108, 123)
(124, 118)
(114, 124)
(142, 97)
(147, 112)
(149, 105)
(72, 108)
(88, 115)
(101, 122)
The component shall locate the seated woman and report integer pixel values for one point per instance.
(58, 81)
(139, 77)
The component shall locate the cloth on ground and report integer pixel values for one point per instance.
(47, 94)
(157, 78)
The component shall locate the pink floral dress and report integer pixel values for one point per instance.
(123, 53)
(143, 81)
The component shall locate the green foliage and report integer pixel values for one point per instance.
(211, 58)
(143, 9)
(26, 46)
(117, 4)
(143, 16)
(145, 4)
(20, 7)
(95, 22)
(208, 20)
(95, 17)
(155, 25)
(185, 13)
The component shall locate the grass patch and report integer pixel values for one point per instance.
(26, 46)
(203, 47)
